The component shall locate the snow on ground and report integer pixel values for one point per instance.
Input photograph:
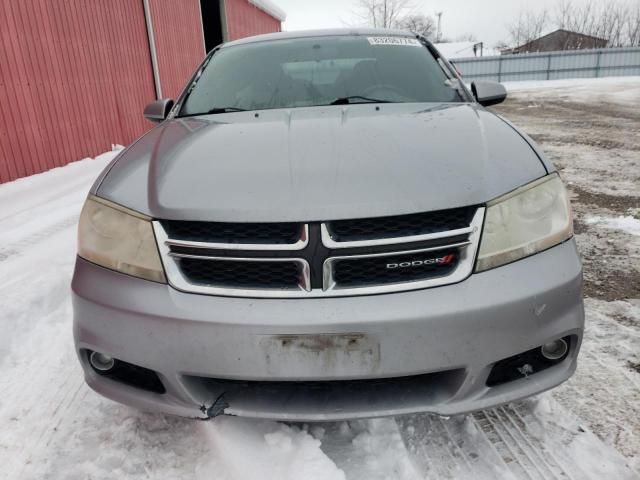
(619, 90)
(52, 426)
(625, 223)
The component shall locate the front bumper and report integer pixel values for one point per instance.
(423, 351)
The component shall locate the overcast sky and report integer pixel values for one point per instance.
(486, 19)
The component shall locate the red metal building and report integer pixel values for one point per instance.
(75, 75)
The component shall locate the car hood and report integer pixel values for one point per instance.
(321, 163)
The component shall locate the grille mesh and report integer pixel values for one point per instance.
(402, 225)
(216, 232)
(407, 268)
(230, 273)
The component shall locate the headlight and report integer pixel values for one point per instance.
(120, 239)
(526, 221)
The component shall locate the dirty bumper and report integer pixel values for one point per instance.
(332, 358)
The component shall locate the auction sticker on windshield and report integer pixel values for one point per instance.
(399, 41)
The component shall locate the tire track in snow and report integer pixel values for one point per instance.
(508, 452)
(527, 455)
(10, 251)
(509, 442)
(565, 469)
(452, 448)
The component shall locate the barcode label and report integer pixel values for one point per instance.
(397, 41)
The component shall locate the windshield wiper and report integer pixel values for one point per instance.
(352, 99)
(215, 110)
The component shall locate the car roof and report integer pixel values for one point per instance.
(321, 33)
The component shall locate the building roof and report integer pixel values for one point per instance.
(555, 32)
(322, 33)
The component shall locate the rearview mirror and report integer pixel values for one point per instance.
(157, 111)
(488, 93)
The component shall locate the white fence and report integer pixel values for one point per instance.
(604, 62)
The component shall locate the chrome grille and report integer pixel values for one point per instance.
(295, 260)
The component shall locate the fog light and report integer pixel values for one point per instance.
(554, 350)
(101, 362)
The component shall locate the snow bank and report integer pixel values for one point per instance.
(382, 449)
(243, 449)
(368, 449)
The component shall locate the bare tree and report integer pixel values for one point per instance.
(616, 20)
(383, 13)
(610, 24)
(528, 26)
(395, 14)
(563, 14)
(421, 24)
(583, 18)
(632, 25)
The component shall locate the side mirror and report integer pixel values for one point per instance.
(488, 93)
(157, 111)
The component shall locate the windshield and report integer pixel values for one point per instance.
(319, 71)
